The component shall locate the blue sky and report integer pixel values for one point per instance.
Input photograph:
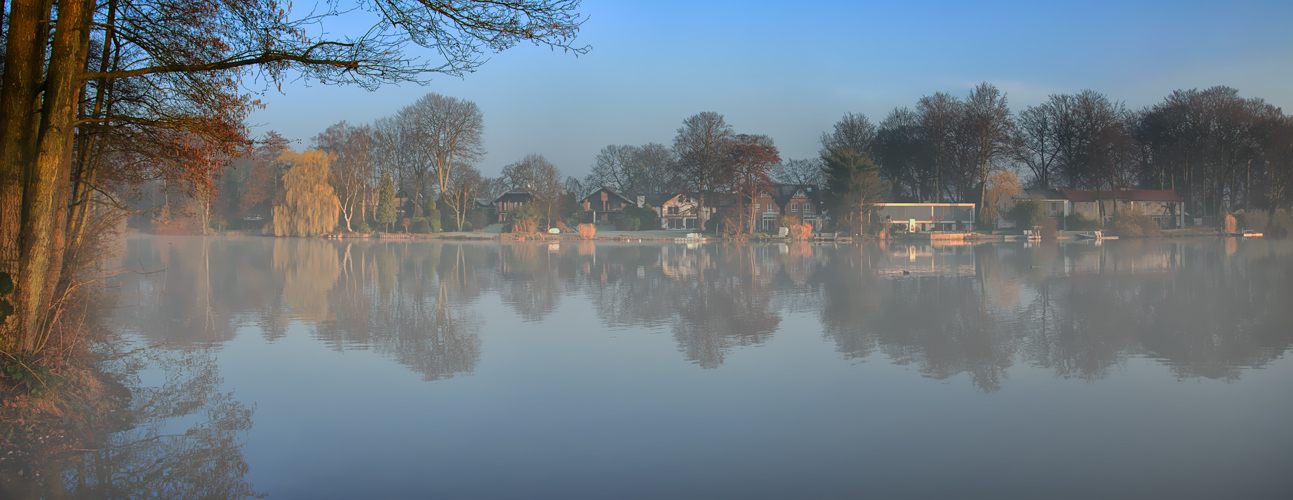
(791, 72)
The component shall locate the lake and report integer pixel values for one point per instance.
(306, 368)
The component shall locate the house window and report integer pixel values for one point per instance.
(794, 207)
(673, 210)
(758, 207)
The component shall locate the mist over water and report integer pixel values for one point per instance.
(305, 368)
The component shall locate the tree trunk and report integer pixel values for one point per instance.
(44, 211)
(19, 101)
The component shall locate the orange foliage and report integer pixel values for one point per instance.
(801, 232)
(586, 231)
(523, 226)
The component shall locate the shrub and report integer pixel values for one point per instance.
(1027, 213)
(1133, 222)
(787, 221)
(1256, 220)
(647, 219)
(1079, 222)
(586, 231)
(523, 219)
(801, 232)
(627, 223)
(580, 217)
(1280, 224)
(466, 226)
(477, 219)
(524, 226)
(1048, 228)
(362, 227)
(420, 226)
(430, 211)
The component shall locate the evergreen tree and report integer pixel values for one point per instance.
(386, 202)
(310, 206)
(432, 213)
(853, 187)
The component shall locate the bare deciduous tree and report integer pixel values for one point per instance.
(939, 116)
(986, 130)
(351, 170)
(459, 195)
(749, 168)
(701, 149)
(1034, 143)
(541, 177)
(853, 131)
(800, 171)
(441, 131)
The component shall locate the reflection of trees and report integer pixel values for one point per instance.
(390, 297)
(720, 313)
(159, 456)
(942, 325)
(1078, 310)
(529, 281)
(180, 297)
(715, 298)
(310, 268)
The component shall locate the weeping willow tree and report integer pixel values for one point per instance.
(310, 207)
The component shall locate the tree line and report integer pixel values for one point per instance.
(1218, 150)
(1214, 148)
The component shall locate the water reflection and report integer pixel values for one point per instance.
(553, 407)
(1205, 308)
(183, 437)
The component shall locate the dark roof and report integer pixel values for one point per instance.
(1130, 195)
(612, 192)
(518, 193)
(782, 193)
(1045, 194)
(657, 199)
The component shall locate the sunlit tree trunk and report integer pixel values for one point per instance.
(25, 44)
(44, 201)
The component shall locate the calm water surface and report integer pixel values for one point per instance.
(317, 369)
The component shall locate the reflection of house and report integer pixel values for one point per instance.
(927, 216)
(605, 204)
(510, 200)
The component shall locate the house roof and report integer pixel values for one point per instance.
(612, 194)
(1129, 195)
(657, 199)
(1045, 194)
(514, 194)
(783, 193)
